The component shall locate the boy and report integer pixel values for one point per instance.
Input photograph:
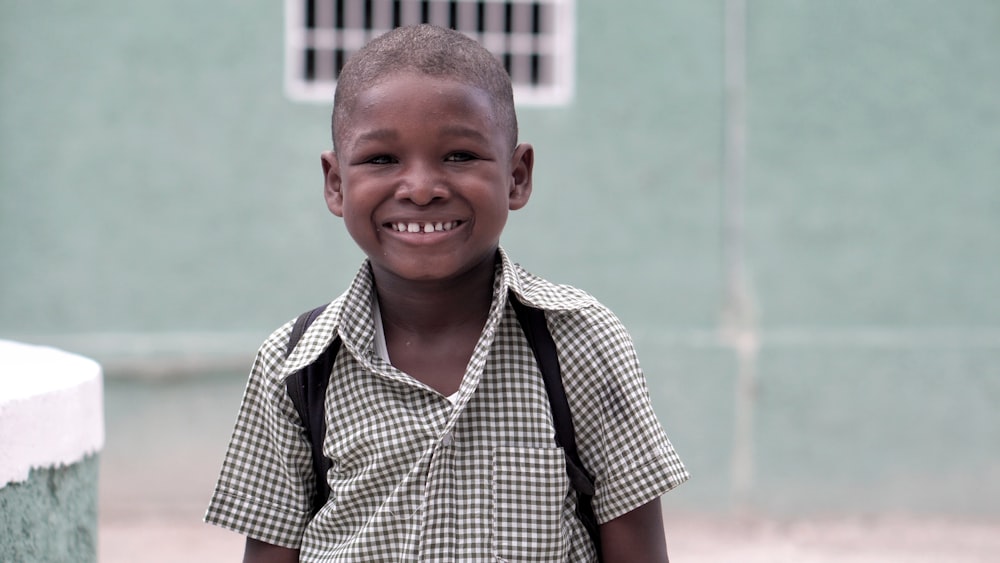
(438, 426)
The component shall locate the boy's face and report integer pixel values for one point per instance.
(424, 177)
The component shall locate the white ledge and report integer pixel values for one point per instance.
(51, 409)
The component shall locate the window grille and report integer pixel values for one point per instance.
(532, 38)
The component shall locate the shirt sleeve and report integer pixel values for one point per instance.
(266, 479)
(619, 437)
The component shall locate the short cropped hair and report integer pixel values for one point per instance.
(430, 50)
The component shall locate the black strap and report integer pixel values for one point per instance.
(536, 330)
(307, 390)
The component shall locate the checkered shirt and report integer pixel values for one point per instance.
(417, 478)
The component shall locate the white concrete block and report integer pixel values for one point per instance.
(51, 409)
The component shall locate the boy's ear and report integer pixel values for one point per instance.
(521, 164)
(332, 185)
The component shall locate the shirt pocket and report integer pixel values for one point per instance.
(529, 492)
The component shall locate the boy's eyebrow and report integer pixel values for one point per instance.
(447, 130)
(463, 131)
(376, 135)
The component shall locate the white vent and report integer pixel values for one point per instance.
(534, 39)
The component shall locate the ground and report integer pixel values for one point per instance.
(159, 539)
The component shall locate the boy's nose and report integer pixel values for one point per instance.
(422, 187)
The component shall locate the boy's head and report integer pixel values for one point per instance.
(428, 50)
(426, 163)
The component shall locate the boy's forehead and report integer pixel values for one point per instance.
(367, 104)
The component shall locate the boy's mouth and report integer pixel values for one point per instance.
(424, 226)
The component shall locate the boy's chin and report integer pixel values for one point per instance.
(425, 270)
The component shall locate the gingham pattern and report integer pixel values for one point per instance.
(417, 478)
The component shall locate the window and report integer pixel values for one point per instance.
(532, 38)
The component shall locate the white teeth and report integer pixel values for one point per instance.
(423, 227)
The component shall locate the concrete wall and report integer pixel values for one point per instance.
(51, 430)
(794, 207)
(52, 515)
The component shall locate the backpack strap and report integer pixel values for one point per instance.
(536, 330)
(307, 389)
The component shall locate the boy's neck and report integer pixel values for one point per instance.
(439, 306)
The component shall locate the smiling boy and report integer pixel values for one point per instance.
(438, 426)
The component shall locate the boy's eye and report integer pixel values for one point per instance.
(460, 157)
(380, 159)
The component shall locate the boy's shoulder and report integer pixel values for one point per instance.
(543, 294)
(352, 309)
(536, 291)
(316, 338)
(567, 307)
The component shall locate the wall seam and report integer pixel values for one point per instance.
(739, 330)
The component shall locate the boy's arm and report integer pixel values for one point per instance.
(257, 551)
(635, 537)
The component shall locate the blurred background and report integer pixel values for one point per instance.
(794, 205)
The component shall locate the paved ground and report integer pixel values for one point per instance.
(159, 539)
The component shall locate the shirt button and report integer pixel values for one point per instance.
(448, 439)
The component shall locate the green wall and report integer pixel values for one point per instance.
(873, 215)
(160, 200)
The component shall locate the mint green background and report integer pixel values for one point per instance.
(155, 182)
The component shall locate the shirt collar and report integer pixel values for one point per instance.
(350, 315)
